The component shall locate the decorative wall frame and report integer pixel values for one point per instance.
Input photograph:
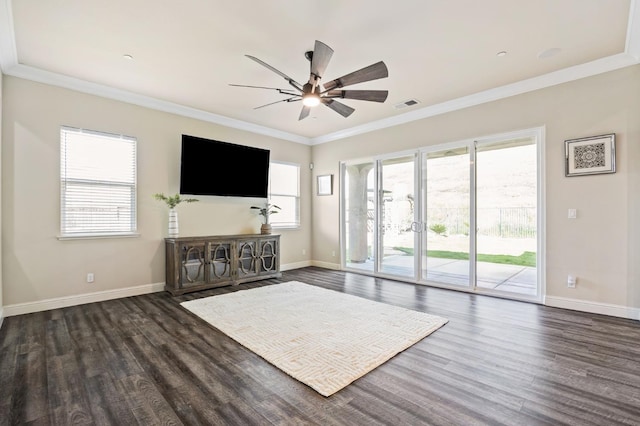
(590, 156)
(325, 185)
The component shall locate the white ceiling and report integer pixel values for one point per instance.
(439, 52)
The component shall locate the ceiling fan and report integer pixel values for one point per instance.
(314, 93)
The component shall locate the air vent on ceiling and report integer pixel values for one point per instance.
(410, 102)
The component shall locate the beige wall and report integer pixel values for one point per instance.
(1, 239)
(602, 246)
(633, 195)
(37, 266)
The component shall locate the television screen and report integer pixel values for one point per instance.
(210, 167)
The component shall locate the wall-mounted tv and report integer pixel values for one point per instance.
(211, 167)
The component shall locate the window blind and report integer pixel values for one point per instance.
(98, 183)
(284, 191)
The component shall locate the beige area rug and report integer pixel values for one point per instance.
(323, 338)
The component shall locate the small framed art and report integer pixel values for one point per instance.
(590, 156)
(325, 185)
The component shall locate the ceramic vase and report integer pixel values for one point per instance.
(265, 229)
(173, 223)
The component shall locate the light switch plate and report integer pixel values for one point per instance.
(572, 214)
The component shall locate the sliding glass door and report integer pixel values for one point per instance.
(463, 216)
(506, 216)
(359, 232)
(398, 225)
(446, 240)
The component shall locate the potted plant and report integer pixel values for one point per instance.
(172, 202)
(265, 212)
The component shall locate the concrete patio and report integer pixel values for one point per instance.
(520, 280)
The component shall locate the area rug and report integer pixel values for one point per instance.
(323, 338)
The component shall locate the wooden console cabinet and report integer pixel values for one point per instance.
(198, 263)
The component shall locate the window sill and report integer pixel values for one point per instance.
(285, 226)
(97, 236)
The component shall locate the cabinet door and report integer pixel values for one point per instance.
(247, 258)
(192, 264)
(219, 261)
(268, 260)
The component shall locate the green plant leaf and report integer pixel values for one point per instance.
(173, 201)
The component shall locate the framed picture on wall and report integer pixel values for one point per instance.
(590, 156)
(325, 185)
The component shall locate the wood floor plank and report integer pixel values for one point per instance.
(108, 407)
(145, 360)
(65, 391)
(280, 412)
(147, 403)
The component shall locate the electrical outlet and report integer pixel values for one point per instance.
(333, 253)
(90, 277)
(304, 251)
(571, 281)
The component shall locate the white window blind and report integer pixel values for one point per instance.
(98, 183)
(284, 191)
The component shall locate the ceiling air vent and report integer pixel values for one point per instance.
(410, 102)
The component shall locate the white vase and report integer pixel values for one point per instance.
(173, 223)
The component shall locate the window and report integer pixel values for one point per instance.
(97, 184)
(284, 191)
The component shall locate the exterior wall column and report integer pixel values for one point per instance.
(358, 218)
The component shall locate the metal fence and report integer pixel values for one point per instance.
(506, 222)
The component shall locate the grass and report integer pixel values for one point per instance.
(527, 258)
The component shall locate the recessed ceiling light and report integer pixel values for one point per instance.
(501, 54)
(129, 57)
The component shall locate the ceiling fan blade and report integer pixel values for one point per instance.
(338, 107)
(283, 91)
(255, 87)
(372, 72)
(361, 95)
(304, 113)
(291, 99)
(281, 74)
(321, 57)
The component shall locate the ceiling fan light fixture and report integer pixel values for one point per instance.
(311, 100)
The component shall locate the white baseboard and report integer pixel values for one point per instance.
(326, 265)
(80, 299)
(296, 265)
(593, 307)
(63, 302)
(100, 296)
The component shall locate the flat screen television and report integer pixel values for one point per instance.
(211, 167)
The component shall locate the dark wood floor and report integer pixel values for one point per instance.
(145, 360)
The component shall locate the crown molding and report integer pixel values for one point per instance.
(10, 66)
(54, 79)
(547, 80)
(632, 45)
(8, 52)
